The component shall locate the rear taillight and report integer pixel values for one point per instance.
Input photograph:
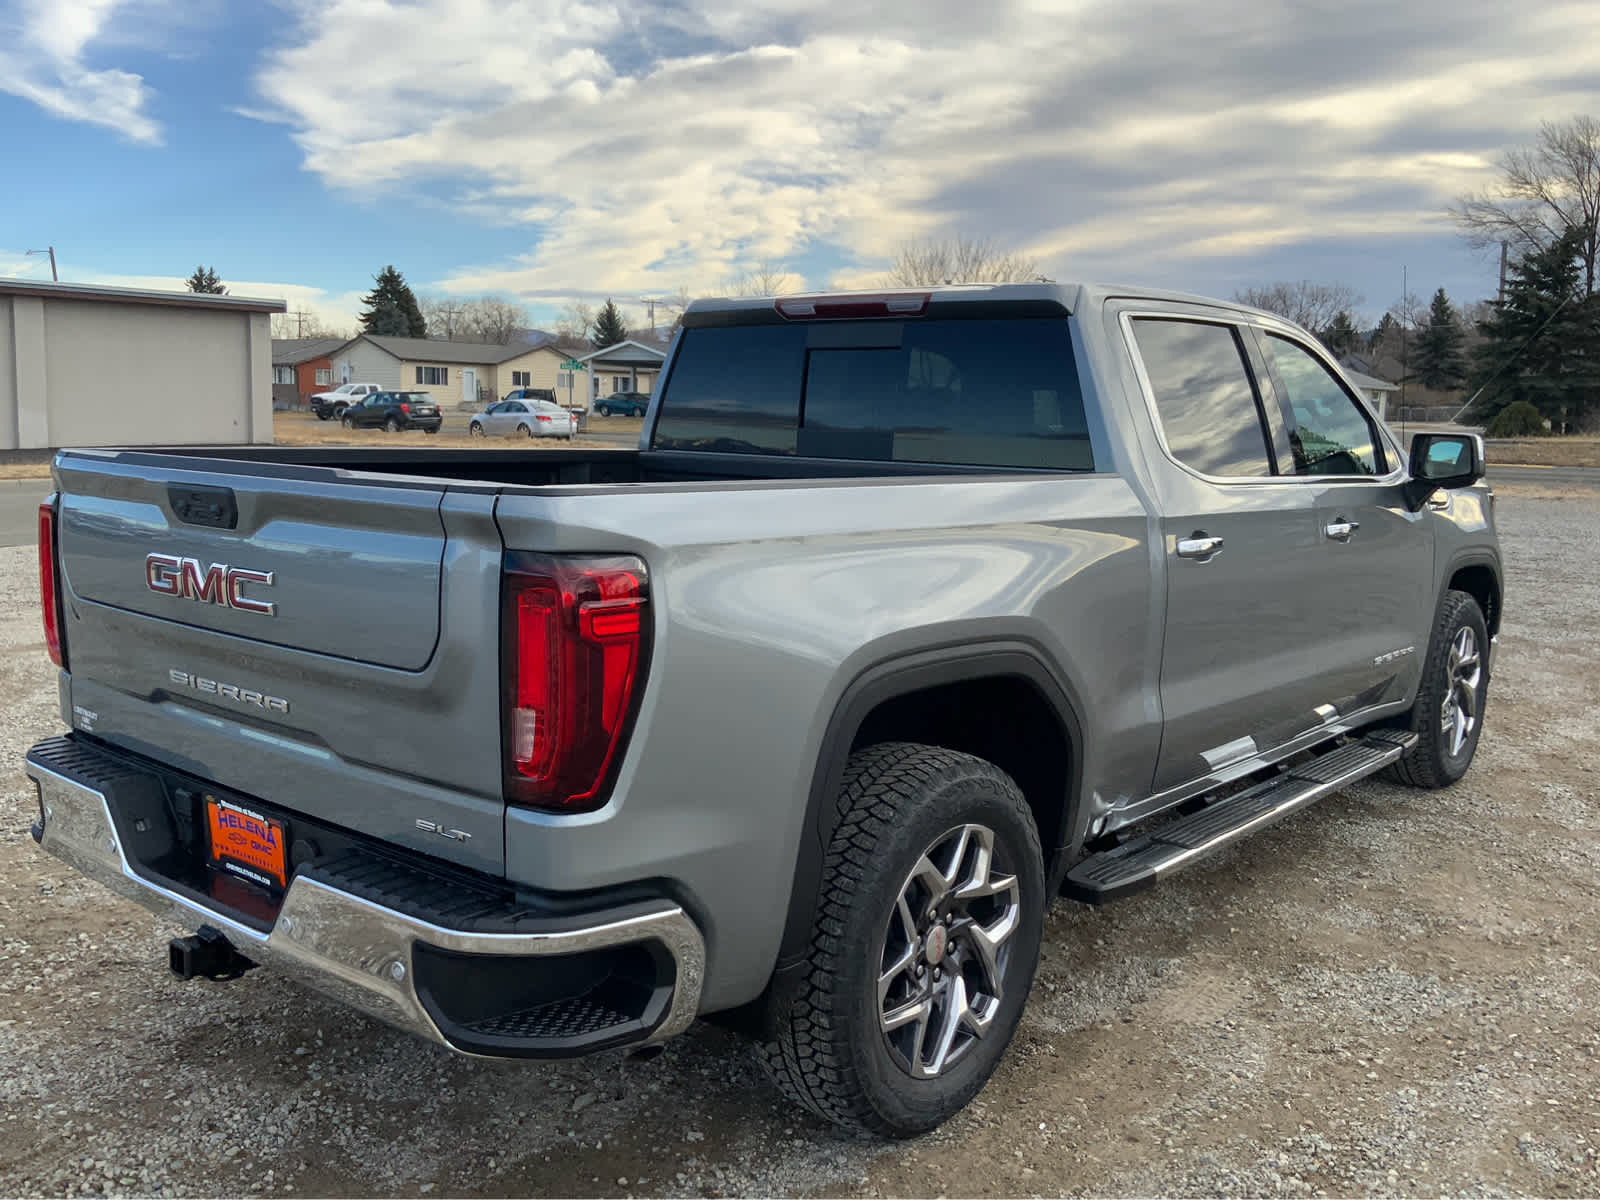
(575, 638)
(50, 584)
(543, 420)
(406, 408)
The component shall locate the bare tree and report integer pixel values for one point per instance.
(675, 305)
(493, 319)
(765, 278)
(574, 325)
(1310, 305)
(445, 316)
(958, 260)
(1545, 190)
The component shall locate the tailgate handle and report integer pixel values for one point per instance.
(213, 506)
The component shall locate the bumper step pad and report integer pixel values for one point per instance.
(1142, 862)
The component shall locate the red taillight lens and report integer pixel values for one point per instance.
(49, 583)
(543, 420)
(576, 640)
(405, 408)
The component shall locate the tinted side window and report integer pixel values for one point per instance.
(1332, 434)
(1204, 395)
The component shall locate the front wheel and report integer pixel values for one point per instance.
(1448, 714)
(322, 416)
(347, 421)
(923, 945)
(475, 430)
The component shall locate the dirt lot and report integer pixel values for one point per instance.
(303, 429)
(1392, 993)
(1580, 451)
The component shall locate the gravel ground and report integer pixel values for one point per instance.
(1392, 993)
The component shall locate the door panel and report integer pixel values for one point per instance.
(1238, 674)
(1371, 586)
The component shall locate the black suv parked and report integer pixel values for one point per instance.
(394, 411)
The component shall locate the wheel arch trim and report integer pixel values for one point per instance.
(903, 675)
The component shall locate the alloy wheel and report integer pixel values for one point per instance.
(945, 951)
(1458, 712)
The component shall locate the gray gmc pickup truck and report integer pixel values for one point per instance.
(910, 612)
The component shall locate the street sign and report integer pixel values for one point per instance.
(573, 364)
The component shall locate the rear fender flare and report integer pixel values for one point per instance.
(898, 677)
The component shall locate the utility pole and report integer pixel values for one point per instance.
(650, 303)
(51, 251)
(1501, 296)
(1405, 300)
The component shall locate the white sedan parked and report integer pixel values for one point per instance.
(528, 418)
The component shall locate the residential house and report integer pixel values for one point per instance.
(1358, 370)
(458, 374)
(628, 366)
(301, 367)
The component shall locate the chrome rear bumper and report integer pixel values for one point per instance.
(343, 945)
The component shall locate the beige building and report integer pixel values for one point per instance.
(457, 374)
(104, 366)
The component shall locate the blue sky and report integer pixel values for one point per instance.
(552, 150)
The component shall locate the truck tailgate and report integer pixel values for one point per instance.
(320, 642)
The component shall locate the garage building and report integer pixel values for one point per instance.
(103, 366)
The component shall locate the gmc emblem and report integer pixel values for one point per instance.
(217, 584)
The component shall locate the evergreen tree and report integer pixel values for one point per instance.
(1340, 337)
(1385, 335)
(391, 308)
(1542, 343)
(609, 328)
(1440, 362)
(205, 281)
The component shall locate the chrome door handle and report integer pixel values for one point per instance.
(1198, 546)
(1341, 529)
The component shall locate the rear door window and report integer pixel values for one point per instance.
(1001, 393)
(1203, 392)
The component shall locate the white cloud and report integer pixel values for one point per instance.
(653, 144)
(44, 52)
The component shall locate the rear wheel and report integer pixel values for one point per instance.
(391, 425)
(1448, 714)
(431, 429)
(321, 416)
(923, 946)
(524, 431)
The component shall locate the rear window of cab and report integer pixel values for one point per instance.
(1001, 393)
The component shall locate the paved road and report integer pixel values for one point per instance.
(19, 498)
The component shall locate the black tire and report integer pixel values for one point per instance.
(433, 430)
(823, 1043)
(392, 425)
(1436, 761)
(322, 416)
(475, 430)
(524, 431)
(602, 410)
(347, 421)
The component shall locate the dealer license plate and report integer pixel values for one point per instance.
(247, 844)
